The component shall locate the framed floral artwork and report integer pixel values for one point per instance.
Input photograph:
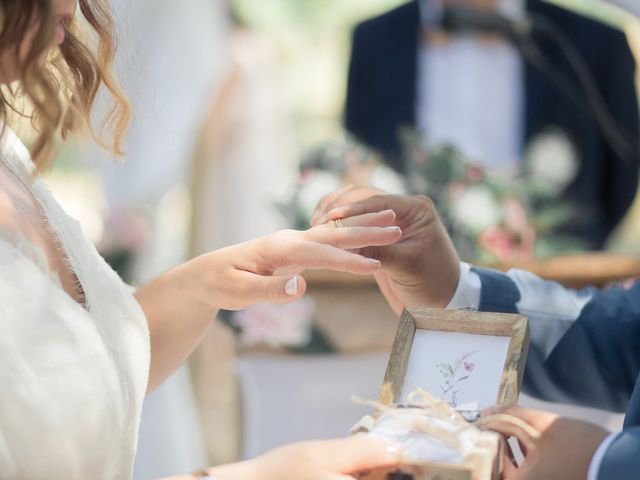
(471, 360)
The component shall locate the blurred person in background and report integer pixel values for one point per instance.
(244, 141)
(478, 94)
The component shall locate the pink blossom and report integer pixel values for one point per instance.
(469, 366)
(515, 239)
(276, 325)
(420, 157)
(456, 190)
(499, 242)
(475, 173)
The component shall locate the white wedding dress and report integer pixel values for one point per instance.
(72, 378)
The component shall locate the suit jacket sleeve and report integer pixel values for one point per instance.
(621, 460)
(584, 344)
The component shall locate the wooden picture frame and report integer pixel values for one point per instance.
(515, 327)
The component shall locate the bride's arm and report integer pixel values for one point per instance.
(181, 304)
(324, 460)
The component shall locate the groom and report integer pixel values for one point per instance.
(585, 345)
(482, 97)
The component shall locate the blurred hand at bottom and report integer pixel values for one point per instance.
(323, 460)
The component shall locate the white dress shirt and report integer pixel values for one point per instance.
(470, 93)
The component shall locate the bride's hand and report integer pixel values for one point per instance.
(268, 269)
(324, 460)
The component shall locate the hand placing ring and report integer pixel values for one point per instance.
(383, 219)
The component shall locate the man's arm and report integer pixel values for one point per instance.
(583, 343)
(620, 459)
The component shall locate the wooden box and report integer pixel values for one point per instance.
(514, 329)
(470, 360)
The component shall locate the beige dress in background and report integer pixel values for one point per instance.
(244, 164)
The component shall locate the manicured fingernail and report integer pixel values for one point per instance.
(374, 261)
(392, 229)
(291, 287)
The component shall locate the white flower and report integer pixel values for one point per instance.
(320, 184)
(386, 179)
(476, 209)
(553, 160)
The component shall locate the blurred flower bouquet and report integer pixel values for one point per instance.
(492, 217)
(287, 328)
(327, 168)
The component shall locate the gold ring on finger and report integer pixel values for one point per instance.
(337, 223)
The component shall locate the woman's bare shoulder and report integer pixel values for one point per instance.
(19, 227)
(9, 212)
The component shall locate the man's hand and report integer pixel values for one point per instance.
(563, 451)
(421, 269)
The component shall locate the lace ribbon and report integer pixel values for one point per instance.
(449, 427)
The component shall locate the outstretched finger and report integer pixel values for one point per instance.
(353, 195)
(328, 200)
(314, 256)
(509, 429)
(355, 237)
(376, 203)
(376, 219)
(538, 419)
(274, 289)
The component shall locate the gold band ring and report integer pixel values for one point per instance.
(337, 223)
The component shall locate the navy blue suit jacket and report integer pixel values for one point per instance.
(381, 98)
(585, 349)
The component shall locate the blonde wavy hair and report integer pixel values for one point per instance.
(58, 87)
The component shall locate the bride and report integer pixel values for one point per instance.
(78, 349)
